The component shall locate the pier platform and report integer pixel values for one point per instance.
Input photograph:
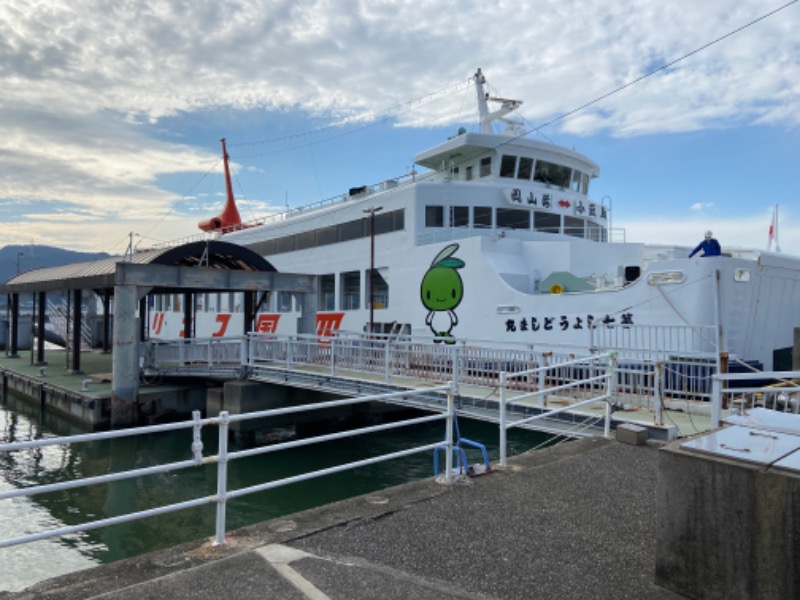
(577, 520)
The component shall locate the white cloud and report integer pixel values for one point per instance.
(81, 79)
(697, 206)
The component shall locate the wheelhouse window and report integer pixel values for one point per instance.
(351, 290)
(546, 222)
(327, 292)
(573, 226)
(575, 186)
(513, 218)
(552, 174)
(468, 173)
(434, 216)
(482, 217)
(508, 165)
(459, 216)
(525, 168)
(486, 166)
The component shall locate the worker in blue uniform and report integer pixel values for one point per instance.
(709, 246)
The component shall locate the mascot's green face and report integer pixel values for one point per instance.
(442, 288)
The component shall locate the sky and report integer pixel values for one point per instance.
(111, 113)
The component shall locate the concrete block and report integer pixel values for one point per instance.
(631, 434)
(215, 401)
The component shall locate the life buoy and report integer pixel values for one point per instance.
(556, 288)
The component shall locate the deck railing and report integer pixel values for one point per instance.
(223, 457)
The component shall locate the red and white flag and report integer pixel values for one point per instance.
(773, 231)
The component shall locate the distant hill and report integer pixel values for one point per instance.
(36, 257)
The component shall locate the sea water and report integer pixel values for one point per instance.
(24, 565)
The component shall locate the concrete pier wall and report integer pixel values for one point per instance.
(725, 528)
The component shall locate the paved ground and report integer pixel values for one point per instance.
(574, 521)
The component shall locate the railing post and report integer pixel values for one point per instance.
(245, 350)
(716, 401)
(611, 389)
(456, 364)
(543, 378)
(386, 362)
(503, 431)
(333, 355)
(658, 392)
(222, 478)
(448, 461)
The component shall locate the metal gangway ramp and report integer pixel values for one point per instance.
(528, 384)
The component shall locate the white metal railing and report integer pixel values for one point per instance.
(643, 378)
(656, 342)
(738, 392)
(223, 457)
(586, 380)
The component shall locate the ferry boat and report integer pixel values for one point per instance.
(497, 238)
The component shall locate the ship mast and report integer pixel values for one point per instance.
(506, 106)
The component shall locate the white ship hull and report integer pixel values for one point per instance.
(501, 242)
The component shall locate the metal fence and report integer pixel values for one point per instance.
(223, 457)
(739, 392)
(582, 382)
(645, 375)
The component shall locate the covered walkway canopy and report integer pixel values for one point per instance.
(188, 269)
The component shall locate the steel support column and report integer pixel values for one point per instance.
(40, 329)
(77, 321)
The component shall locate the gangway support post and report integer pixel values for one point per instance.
(125, 358)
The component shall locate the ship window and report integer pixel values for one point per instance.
(525, 168)
(513, 218)
(326, 235)
(508, 166)
(434, 216)
(468, 176)
(551, 173)
(284, 302)
(547, 222)
(573, 226)
(585, 183)
(384, 222)
(482, 216)
(486, 166)
(459, 216)
(304, 240)
(285, 244)
(351, 290)
(595, 232)
(380, 290)
(352, 230)
(327, 292)
(575, 186)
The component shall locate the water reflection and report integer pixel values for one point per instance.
(22, 566)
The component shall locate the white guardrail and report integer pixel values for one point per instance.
(732, 392)
(584, 377)
(223, 457)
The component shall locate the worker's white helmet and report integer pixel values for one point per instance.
(709, 235)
